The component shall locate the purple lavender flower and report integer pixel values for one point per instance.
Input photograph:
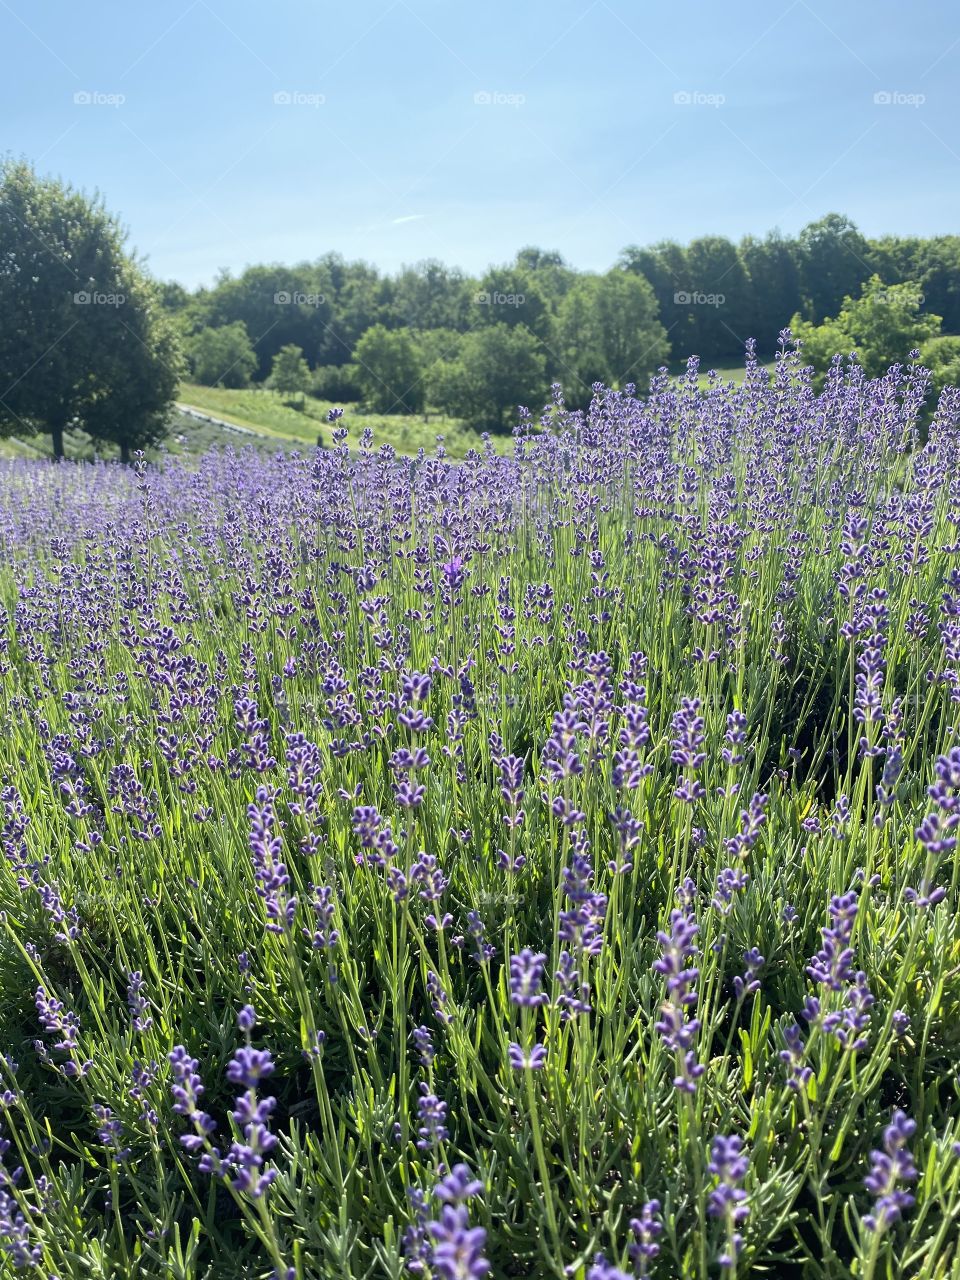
(574, 997)
(730, 882)
(55, 1019)
(438, 999)
(270, 872)
(727, 1201)
(324, 937)
(432, 1114)
(424, 1044)
(110, 1133)
(752, 821)
(511, 789)
(481, 950)
(15, 1235)
(251, 1114)
(889, 1167)
(749, 983)
(646, 1231)
(187, 1089)
(532, 1059)
(688, 729)
(735, 737)
(526, 977)
(454, 573)
(457, 1252)
(854, 1019)
(604, 1270)
(676, 1029)
(458, 1185)
(832, 965)
(581, 925)
(138, 1003)
(798, 1075)
(415, 1245)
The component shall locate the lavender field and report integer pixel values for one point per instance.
(530, 866)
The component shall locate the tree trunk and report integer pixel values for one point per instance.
(125, 451)
(56, 433)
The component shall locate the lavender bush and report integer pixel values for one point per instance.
(541, 866)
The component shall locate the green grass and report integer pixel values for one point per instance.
(732, 372)
(266, 412)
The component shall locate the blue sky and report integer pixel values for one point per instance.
(407, 129)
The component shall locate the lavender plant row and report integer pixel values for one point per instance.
(541, 866)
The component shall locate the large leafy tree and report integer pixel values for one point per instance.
(719, 292)
(499, 367)
(665, 266)
(882, 326)
(553, 276)
(140, 371)
(290, 374)
(772, 265)
(609, 332)
(932, 265)
(390, 370)
(942, 357)
(83, 340)
(430, 295)
(222, 355)
(834, 263)
(513, 296)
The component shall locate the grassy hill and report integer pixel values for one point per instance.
(268, 414)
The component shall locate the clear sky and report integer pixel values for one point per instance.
(225, 132)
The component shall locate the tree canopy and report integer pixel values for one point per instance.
(84, 340)
(883, 325)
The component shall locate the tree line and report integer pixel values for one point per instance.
(474, 347)
(88, 339)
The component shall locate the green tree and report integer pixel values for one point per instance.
(81, 337)
(513, 296)
(883, 326)
(430, 295)
(608, 332)
(500, 367)
(290, 374)
(222, 356)
(438, 344)
(719, 299)
(337, 382)
(277, 305)
(932, 265)
(552, 274)
(390, 370)
(833, 258)
(664, 265)
(942, 357)
(140, 374)
(772, 265)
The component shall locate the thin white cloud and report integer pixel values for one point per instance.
(411, 217)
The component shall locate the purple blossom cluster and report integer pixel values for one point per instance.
(416, 755)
